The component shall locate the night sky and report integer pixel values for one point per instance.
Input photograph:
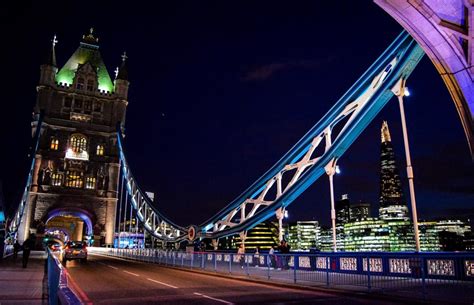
(221, 90)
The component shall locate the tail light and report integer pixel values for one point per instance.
(84, 247)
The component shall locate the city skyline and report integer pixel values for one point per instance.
(207, 117)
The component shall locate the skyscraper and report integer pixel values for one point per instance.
(392, 205)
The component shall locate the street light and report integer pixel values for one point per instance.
(400, 91)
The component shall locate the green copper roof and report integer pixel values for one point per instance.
(86, 53)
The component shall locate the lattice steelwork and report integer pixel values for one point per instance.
(316, 153)
(153, 221)
(320, 148)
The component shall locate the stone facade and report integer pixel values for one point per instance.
(77, 164)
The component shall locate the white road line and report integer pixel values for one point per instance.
(130, 273)
(164, 284)
(113, 267)
(211, 298)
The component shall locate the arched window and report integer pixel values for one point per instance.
(77, 148)
(56, 179)
(78, 143)
(74, 179)
(90, 183)
(100, 150)
(80, 84)
(54, 145)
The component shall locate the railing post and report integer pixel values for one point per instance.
(423, 276)
(231, 257)
(202, 260)
(294, 268)
(369, 284)
(182, 260)
(269, 262)
(327, 270)
(192, 260)
(247, 264)
(215, 262)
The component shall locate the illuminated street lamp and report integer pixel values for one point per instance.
(400, 91)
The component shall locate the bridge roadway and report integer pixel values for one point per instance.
(106, 280)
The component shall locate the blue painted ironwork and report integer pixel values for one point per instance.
(353, 112)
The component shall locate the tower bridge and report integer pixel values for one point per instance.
(80, 173)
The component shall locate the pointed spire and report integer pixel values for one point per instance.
(51, 60)
(385, 133)
(123, 71)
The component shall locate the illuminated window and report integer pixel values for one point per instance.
(90, 183)
(56, 179)
(54, 144)
(78, 143)
(74, 179)
(80, 84)
(100, 150)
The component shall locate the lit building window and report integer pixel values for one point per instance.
(74, 179)
(100, 150)
(56, 179)
(77, 148)
(54, 144)
(90, 183)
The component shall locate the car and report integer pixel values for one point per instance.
(74, 250)
(55, 247)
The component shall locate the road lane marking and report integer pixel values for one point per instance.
(215, 299)
(130, 273)
(164, 284)
(108, 265)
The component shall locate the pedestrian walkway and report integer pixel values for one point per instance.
(23, 285)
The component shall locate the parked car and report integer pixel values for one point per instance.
(75, 250)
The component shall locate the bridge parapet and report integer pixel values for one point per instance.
(439, 276)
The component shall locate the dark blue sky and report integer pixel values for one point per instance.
(221, 90)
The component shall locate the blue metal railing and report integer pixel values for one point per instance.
(59, 290)
(440, 276)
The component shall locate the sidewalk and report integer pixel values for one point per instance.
(23, 285)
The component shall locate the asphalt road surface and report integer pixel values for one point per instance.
(105, 280)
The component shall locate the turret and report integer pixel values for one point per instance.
(49, 68)
(121, 79)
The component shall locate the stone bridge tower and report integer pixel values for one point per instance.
(76, 173)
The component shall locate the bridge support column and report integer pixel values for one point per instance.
(330, 171)
(280, 213)
(243, 237)
(400, 90)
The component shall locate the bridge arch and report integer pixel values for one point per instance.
(70, 221)
(445, 31)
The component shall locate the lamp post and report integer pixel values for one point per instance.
(400, 90)
(332, 169)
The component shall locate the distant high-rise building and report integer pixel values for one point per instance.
(343, 216)
(343, 212)
(304, 235)
(359, 211)
(392, 206)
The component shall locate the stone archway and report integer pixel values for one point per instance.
(74, 223)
